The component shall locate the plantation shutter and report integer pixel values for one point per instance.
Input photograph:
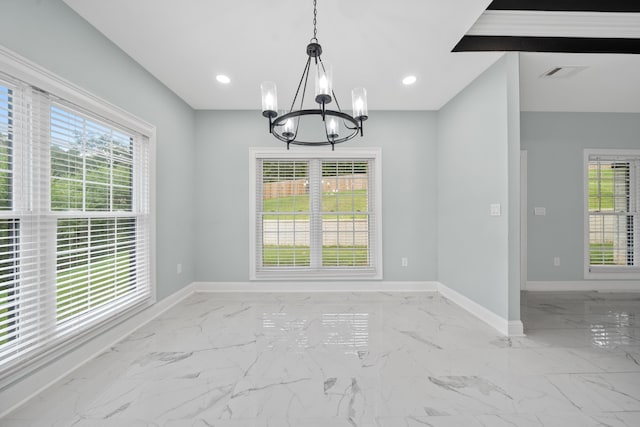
(25, 270)
(316, 217)
(284, 215)
(348, 220)
(9, 215)
(614, 212)
(75, 249)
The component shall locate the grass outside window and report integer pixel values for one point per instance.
(332, 256)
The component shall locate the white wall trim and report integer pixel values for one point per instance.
(316, 286)
(584, 285)
(314, 272)
(505, 327)
(12, 396)
(515, 328)
(21, 68)
(604, 272)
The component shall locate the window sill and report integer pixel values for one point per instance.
(316, 275)
(612, 273)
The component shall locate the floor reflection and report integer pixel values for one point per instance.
(601, 320)
(346, 333)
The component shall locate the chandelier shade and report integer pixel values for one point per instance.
(338, 125)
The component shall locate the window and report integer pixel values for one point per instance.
(75, 220)
(315, 215)
(612, 206)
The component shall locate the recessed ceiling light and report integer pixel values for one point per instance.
(409, 80)
(223, 79)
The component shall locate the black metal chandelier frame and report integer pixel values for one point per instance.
(277, 127)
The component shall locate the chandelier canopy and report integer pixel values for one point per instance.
(285, 126)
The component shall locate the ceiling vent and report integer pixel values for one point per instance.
(562, 72)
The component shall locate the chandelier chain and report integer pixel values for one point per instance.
(315, 21)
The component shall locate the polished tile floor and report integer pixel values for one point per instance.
(365, 359)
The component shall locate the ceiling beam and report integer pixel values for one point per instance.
(631, 6)
(547, 44)
(567, 26)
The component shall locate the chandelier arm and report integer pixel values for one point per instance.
(305, 72)
(295, 135)
(304, 90)
(335, 98)
(306, 81)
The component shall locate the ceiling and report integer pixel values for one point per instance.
(370, 43)
(609, 83)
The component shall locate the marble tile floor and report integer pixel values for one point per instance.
(361, 359)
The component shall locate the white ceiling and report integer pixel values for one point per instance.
(610, 83)
(370, 43)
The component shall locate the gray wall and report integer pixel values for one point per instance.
(53, 36)
(408, 142)
(473, 173)
(555, 144)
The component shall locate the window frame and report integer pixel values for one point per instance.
(600, 272)
(304, 154)
(19, 70)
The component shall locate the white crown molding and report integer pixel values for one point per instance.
(556, 24)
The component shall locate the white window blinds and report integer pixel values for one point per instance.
(74, 222)
(315, 216)
(614, 211)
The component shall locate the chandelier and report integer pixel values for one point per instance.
(285, 126)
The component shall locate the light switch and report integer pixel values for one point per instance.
(539, 211)
(495, 209)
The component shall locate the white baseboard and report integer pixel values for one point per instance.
(515, 328)
(502, 325)
(505, 327)
(584, 285)
(316, 286)
(18, 393)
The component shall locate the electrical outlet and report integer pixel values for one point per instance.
(539, 211)
(179, 268)
(405, 261)
(556, 261)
